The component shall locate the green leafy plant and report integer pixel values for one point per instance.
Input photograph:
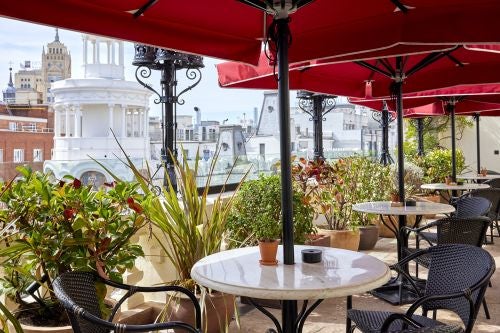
(413, 177)
(49, 228)
(436, 164)
(256, 213)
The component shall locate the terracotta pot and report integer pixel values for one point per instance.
(368, 237)
(268, 252)
(318, 240)
(342, 239)
(219, 311)
(394, 197)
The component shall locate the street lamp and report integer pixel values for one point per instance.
(317, 106)
(149, 58)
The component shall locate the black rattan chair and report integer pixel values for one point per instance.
(77, 293)
(457, 279)
(494, 183)
(414, 327)
(493, 195)
(465, 207)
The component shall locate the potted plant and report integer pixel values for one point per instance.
(322, 183)
(50, 227)
(256, 213)
(187, 232)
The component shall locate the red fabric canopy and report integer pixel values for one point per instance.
(230, 29)
(460, 66)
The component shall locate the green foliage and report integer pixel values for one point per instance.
(436, 164)
(435, 130)
(188, 230)
(51, 227)
(413, 177)
(359, 179)
(256, 214)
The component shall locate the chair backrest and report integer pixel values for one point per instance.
(454, 230)
(495, 183)
(471, 206)
(491, 172)
(77, 290)
(458, 268)
(493, 195)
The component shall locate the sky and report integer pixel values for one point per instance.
(20, 41)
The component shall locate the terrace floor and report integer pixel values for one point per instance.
(330, 315)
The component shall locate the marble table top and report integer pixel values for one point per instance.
(385, 208)
(340, 273)
(478, 176)
(445, 187)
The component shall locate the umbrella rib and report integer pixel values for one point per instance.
(455, 60)
(387, 65)
(400, 6)
(144, 7)
(429, 59)
(373, 68)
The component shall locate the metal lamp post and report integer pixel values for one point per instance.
(384, 118)
(317, 106)
(149, 58)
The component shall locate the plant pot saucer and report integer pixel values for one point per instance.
(268, 263)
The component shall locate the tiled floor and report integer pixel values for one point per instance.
(330, 315)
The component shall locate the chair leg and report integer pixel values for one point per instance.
(348, 322)
(486, 311)
(434, 314)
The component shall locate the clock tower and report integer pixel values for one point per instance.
(56, 65)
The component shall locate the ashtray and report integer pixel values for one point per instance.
(311, 256)
(410, 203)
(460, 183)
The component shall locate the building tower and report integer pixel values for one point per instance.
(9, 94)
(90, 112)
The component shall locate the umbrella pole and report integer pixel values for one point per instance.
(289, 307)
(478, 145)
(450, 106)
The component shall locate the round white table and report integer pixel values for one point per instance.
(474, 176)
(393, 293)
(340, 273)
(449, 187)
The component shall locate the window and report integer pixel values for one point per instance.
(18, 155)
(12, 126)
(37, 155)
(1, 155)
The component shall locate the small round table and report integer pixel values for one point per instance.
(393, 293)
(448, 187)
(340, 273)
(474, 176)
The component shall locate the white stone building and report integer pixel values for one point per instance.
(88, 111)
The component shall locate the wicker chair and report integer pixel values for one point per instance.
(465, 206)
(414, 327)
(494, 183)
(77, 293)
(493, 195)
(457, 279)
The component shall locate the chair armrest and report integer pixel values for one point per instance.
(398, 316)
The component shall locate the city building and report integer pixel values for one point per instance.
(92, 114)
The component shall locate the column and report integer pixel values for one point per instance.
(78, 121)
(120, 53)
(113, 44)
(141, 122)
(132, 123)
(84, 50)
(108, 49)
(124, 121)
(57, 122)
(94, 61)
(66, 120)
(97, 51)
(111, 120)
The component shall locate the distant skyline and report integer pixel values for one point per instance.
(20, 41)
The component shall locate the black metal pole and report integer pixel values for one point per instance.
(450, 107)
(478, 143)
(168, 82)
(420, 136)
(318, 126)
(289, 307)
(398, 90)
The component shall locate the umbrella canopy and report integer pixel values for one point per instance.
(373, 78)
(234, 30)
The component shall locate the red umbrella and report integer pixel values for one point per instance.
(234, 30)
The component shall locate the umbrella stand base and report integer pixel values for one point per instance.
(395, 293)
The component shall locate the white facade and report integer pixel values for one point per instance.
(88, 111)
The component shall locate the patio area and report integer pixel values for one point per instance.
(330, 315)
